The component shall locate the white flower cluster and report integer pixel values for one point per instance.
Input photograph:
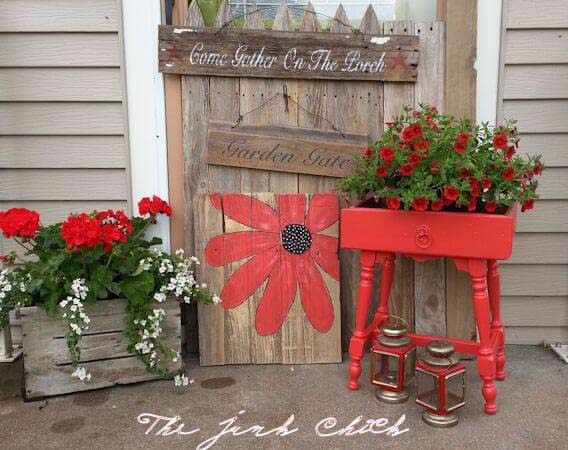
(182, 380)
(150, 331)
(5, 284)
(82, 374)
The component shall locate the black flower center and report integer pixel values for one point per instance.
(296, 239)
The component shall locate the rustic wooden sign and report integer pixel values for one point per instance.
(284, 149)
(276, 54)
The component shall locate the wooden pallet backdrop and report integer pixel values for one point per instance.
(353, 106)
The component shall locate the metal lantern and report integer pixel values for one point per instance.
(440, 384)
(392, 364)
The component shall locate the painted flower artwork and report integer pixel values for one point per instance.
(286, 246)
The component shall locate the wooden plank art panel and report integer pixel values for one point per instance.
(285, 149)
(282, 54)
(263, 253)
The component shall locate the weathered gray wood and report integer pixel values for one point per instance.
(370, 22)
(273, 54)
(294, 150)
(103, 349)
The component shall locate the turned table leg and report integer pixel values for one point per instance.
(359, 338)
(494, 287)
(387, 273)
(485, 357)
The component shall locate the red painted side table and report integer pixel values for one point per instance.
(473, 241)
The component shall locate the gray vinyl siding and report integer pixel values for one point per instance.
(534, 90)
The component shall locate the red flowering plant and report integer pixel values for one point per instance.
(430, 161)
(96, 256)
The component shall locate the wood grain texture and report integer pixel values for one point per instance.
(62, 152)
(64, 184)
(546, 81)
(539, 248)
(541, 14)
(104, 354)
(61, 84)
(551, 280)
(58, 50)
(552, 147)
(51, 118)
(536, 335)
(548, 216)
(536, 46)
(59, 15)
(526, 311)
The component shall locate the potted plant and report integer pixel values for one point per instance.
(98, 299)
(438, 186)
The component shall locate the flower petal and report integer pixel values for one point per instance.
(324, 252)
(315, 297)
(248, 211)
(247, 278)
(292, 208)
(277, 298)
(323, 212)
(230, 247)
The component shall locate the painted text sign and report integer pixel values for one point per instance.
(281, 54)
(283, 149)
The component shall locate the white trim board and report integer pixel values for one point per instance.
(146, 106)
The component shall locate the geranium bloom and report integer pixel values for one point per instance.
(81, 231)
(381, 171)
(508, 174)
(451, 193)
(393, 203)
(115, 226)
(284, 247)
(490, 207)
(437, 205)
(528, 205)
(387, 153)
(407, 169)
(420, 204)
(500, 141)
(367, 152)
(19, 222)
(153, 206)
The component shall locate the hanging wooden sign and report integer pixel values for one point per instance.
(277, 54)
(283, 149)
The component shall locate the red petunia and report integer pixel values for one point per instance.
(486, 184)
(490, 207)
(416, 129)
(387, 153)
(437, 205)
(393, 203)
(435, 168)
(451, 193)
(81, 231)
(460, 147)
(408, 134)
(508, 174)
(407, 169)
(500, 141)
(537, 170)
(153, 206)
(420, 204)
(286, 249)
(414, 159)
(510, 152)
(528, 205)
(381, 171)
(465, 173)
(367, 152)
(20, 222)
(422, 144)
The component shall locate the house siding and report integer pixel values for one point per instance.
(534, 90)
(63, 124)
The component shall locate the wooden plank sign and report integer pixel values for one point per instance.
(273, 260)
(283, 149)
(281, 54)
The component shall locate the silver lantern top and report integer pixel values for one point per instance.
(393, 335)
(440, 354)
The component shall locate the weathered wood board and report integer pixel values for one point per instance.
(104, 351)
(265, 253)
(276, 54)
(284, 149)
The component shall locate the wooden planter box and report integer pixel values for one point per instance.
(47, 366)
(429, 233)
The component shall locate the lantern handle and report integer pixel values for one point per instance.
(401, 319)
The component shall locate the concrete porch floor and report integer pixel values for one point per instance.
(533, 410)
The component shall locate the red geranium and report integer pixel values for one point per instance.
(153, 206)
(381, 171)
(500, 141)
(420, 204)
(81, 231)
(490, 207)
(451, 193)
(437, 205)
(20, 222)
(407, 170)
(508, 174)
(367, 152)
(387, 153)
(393, 203)
(528, 205)
(115, 226)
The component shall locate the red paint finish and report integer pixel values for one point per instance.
(289, 265)
(473, 241)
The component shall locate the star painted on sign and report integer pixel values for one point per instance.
(173, 52)
(399, 60)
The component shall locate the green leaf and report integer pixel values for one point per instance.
(137, 288)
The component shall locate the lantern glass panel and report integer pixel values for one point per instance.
(386, 369)
(409, 363)
(455, 390)
(427, 389)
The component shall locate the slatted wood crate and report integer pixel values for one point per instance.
(104, 354)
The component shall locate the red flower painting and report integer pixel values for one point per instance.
(286, 247)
